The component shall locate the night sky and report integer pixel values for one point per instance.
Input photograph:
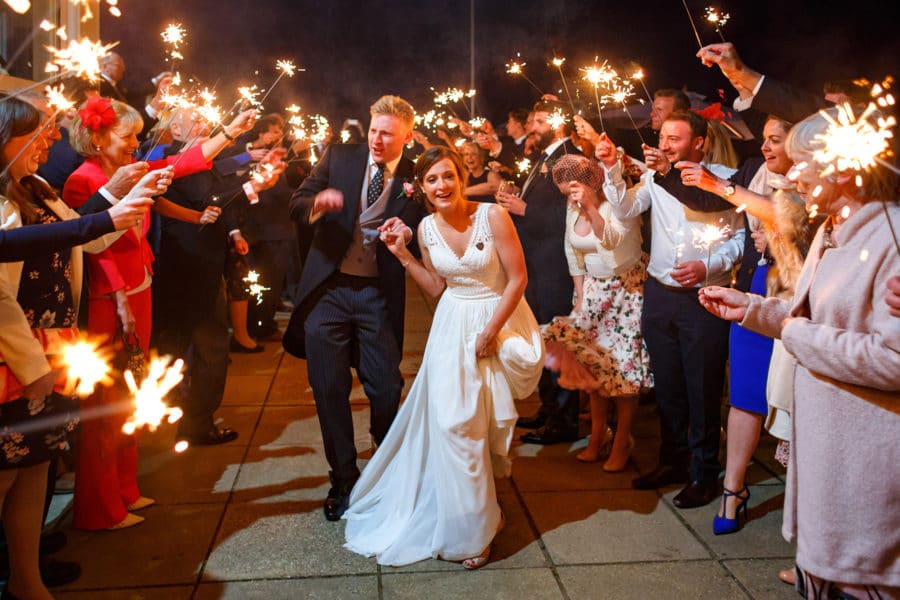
(354, 51)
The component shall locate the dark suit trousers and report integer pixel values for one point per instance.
(349, 326)
(688, 347)
(204, 344)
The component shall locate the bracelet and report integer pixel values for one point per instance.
(227, 137)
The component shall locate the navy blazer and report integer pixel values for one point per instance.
(343, 168)
(22, 242)
(542, 231)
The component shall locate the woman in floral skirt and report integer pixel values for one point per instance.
(598, 348)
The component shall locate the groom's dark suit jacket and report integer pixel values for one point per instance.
(343, 168)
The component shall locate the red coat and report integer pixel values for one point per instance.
(122, 265)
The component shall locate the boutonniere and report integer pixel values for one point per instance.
(407, 190)
(547, 167)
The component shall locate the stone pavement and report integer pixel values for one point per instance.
(244, 520)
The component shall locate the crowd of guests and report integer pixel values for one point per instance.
(607, 231)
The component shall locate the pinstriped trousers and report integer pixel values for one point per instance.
(349, 327)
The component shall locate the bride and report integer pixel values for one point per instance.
(429, 492)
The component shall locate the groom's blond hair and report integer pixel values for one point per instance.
(394, 106)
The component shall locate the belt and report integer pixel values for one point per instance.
(675, 288)
(354, 281)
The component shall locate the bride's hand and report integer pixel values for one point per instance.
(486, 344)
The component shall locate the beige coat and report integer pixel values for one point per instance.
(842, 502)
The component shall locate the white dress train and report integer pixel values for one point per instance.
(428, 491)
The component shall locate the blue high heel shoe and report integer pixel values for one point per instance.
(723, 525)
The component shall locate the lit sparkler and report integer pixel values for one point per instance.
(86, 364)
(345, 136)
(557, 119)
(622, 90)
(853, 143)
(80, 58)
(149, 406)
(598, 75)
(523, 165)
(705, 239)
(517, 67)
(558, 63)
(717, 19)
(254, 287)
(285, 67)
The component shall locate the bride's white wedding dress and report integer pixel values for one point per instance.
(428, 491)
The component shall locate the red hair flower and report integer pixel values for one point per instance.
(713, 112)
(97, 113)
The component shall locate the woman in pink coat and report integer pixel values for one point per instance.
(842, 502)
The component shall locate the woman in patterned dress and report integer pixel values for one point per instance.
(598, 348)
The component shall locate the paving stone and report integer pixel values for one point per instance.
(760, 538)
(313, 588)
(760, 577)
(246, 389)
(555, 468)
(284, 474)
(202, 474)
(499, 584)
(299, 425)
(610, 527)
(167, 549)
(678, 579)
(148, 593)
(280, 540)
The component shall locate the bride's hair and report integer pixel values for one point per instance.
(434, 155)
(431, 157)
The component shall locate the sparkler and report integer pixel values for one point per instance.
(854, 143)
(173, 35)
(622, 91)
(558, 63)
(557, 119)
(86, 364)
(523, 165)
(285, 67)
(254, 287)
(597, 75)
(516, 67)
(149, 406)
(718, 20)
(693, 25)
(705, 238)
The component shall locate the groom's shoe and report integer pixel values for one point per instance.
(336, 503)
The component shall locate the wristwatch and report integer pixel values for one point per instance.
(728, 192)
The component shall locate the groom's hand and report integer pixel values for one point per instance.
(330, 200)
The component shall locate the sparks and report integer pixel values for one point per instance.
(556, 119)
(709, 235)
(254, 287)
(149, 406)
(19, 6)
(286, 67)
(523, 165)
(80, 58)
(173, 34)
(57, 100)
(86, 364)
(853, 144)
(345, 136)
(719, 19)
(558, 61)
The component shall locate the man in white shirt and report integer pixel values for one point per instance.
(687, 348)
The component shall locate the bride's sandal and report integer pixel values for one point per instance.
(476, 562)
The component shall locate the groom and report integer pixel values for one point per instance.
(352, 290)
